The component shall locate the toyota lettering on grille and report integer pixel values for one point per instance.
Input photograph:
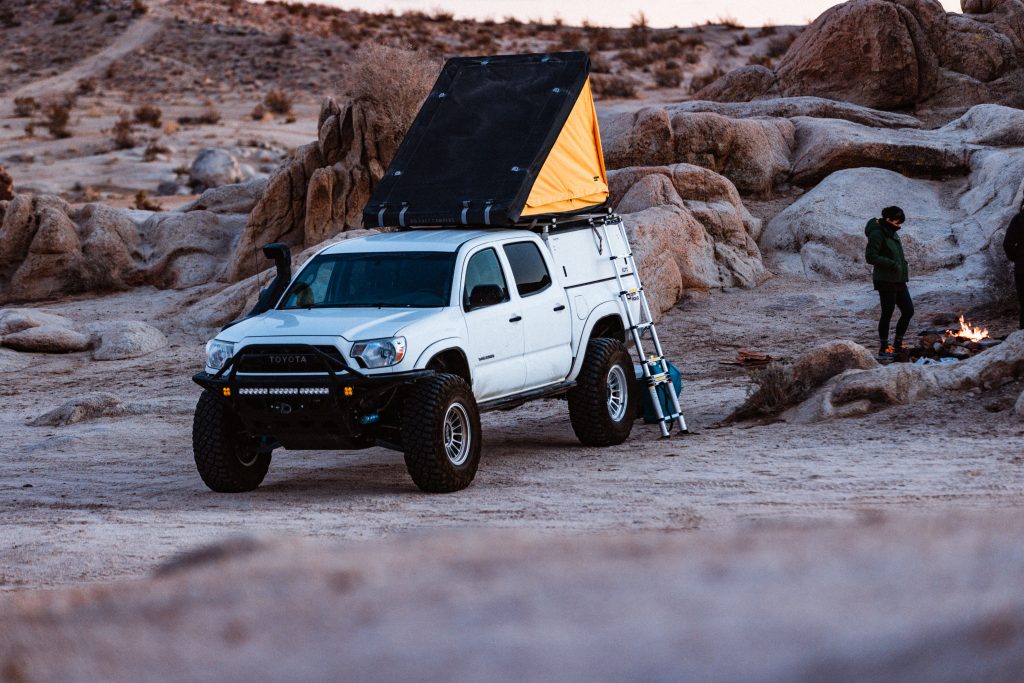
(287, 360)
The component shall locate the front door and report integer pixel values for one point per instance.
(494, 326)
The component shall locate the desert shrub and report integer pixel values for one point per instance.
(144, 203)
(769, 29)
(57, 114)
(65, 15)
(139, 7)
(86, 86)
(608, 85)
(775, 388)
(30, 129)
(278, 101)
(153, 150)
(760, 60)
(123, 132)
(744, 39)
(727, 21)
(692, 57)
(669, 75)
(209, 116)
(25, 106)
(639, 30)
(599, 37)
(599, 64)
(779, 45)
(258, 113)
(393, 82)
(635, 59)
(149, 114)
(699, 81)
(672, 48)
(570, 40)
(285, 37)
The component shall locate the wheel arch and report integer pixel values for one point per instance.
(604, 321)
(447, 358)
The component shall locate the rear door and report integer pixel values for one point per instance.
(494, 330)
(547, 321)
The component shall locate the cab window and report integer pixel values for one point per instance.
(528, 268)
(485, 282)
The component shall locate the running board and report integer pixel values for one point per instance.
(516, 400)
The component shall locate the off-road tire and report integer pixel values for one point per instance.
(221, 449)
(424, 411)
(588, 400)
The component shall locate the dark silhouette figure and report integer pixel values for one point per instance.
(1013, 245)
(891, 274)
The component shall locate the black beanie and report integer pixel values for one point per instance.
(894, 213)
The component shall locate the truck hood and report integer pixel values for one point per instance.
(353, 324)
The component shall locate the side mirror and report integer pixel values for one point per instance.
(485, 295)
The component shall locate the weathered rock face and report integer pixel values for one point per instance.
(85, 407)
(951, 227)
(752, 153)
(895, 54)
(47, 339)
(214, 167)
(126, 339)
(742, 85)
(689, 230)
(17, 319)
(791, 107)
(239, 198)
(191, 248)
(322, 189)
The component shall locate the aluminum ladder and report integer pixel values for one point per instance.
(655, 368)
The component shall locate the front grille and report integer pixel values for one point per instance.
(282, 358)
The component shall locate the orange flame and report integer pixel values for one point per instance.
(969, 332)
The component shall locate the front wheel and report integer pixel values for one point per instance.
(226, 457)
(441, 433)
(602, 405)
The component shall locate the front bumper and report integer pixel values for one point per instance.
(340, 408)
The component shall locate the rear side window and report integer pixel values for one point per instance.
(528, 268)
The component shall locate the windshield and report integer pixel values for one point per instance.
(408, 279)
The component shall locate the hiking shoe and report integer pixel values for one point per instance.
(886, 353)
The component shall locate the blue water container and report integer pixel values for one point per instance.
(666, 403)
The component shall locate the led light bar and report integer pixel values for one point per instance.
(284, 391)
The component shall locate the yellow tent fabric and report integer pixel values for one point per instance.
(573, 176)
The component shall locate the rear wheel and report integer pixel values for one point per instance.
(602, 405)
(441, 433)
(228, 459)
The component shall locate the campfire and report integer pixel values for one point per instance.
(951, 345)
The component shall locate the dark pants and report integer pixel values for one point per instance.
(892, 296)
(1018, 275)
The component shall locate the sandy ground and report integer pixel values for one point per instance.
(111, 498)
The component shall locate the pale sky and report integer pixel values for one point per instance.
(660, 13)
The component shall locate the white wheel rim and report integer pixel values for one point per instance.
(457, 436)
(246, 463)
(617, 393)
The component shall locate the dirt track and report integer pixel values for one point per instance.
(113, 497)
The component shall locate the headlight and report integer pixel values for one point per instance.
(217, 353)
(380, 353)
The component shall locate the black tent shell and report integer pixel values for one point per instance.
(479, 141)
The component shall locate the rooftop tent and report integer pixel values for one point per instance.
(498, 141)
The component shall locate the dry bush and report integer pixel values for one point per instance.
(599, 37)
(635, 59)
(607, 85)
(144, 203)
(285, 38)
(779, 44)
(744, 39)
(760, 60)
(570, 40)
(209, 116)
(692, 57)
(139, 7)
(149, 114)
(669, 75)
(58, 114)
(639, 31)
(123, 132)
(699, 81)
(86, 86)
(153, 150)
(727, 21)
(278, 101)
(393, 81)
(775, 388)
(25, 106)
(599, 64)
(769, 29)
(65, 15)
(258, 113)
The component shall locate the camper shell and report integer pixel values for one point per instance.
(503, 288)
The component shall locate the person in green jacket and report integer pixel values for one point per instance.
(885, 253)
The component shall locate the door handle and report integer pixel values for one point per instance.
(515, 318)
(560, 307)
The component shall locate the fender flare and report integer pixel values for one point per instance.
(602, 310)
(446, 344)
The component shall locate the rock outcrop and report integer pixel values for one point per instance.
(689, 230)
(47, 339)
(859, 392)
(125, 339)
(321, 190)
(897, 54)
(214, 167)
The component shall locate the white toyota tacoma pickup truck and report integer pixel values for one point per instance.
(402, 339)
